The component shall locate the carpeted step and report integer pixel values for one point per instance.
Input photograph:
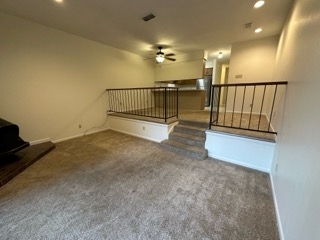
(195, 131)
(187, 139)
(185, 149)
(203, 125)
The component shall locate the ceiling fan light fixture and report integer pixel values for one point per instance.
(160, 57)
(220, 55)
(259, 4)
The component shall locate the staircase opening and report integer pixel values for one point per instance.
(188, 138)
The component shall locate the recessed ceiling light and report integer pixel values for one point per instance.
(258, 30)
(258, 4)
(59, 1)
(220, 55)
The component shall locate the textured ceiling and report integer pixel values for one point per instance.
(181, 26)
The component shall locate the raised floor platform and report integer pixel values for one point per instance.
(203, 116)
(248, 151)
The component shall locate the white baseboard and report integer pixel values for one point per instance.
(39, 141)
(79, 135)
(67, 138)
(280, 229)
(137, 135)
(95, 131)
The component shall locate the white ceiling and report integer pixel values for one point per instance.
(181, 26)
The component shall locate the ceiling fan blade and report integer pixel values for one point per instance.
(170, 59)
(169, 54)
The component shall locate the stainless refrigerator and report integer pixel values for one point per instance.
(205, 84)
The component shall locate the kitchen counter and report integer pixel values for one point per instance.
(186, 90)
(191, 99)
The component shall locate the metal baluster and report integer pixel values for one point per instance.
(165, 104)
(234, 103)
(274, 98)
(243, 98)
(226, 104)
(264, 91)
(212, 104)
(177, 102)
(254, 92)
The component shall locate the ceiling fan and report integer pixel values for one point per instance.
(160, 56)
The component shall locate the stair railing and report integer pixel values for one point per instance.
(246, 106)
(153, 102)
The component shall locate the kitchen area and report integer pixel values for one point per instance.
(193, 74)
(194, 94)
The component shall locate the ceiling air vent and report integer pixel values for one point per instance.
(247, 25)
(148, 17)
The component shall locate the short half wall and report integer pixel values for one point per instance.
(255, 154)
(156, 132)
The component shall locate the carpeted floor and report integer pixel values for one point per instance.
(114, 186)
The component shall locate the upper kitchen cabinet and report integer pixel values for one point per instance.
(187, 66)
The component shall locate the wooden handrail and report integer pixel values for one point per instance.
(250, 84)
(140, 88)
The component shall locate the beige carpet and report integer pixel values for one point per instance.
(114, 186)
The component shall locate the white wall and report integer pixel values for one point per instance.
(52, 81)
(296, 166)
(216, 72)
(187, 66)
(254, 60)
(242, 151)
(156, 132)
